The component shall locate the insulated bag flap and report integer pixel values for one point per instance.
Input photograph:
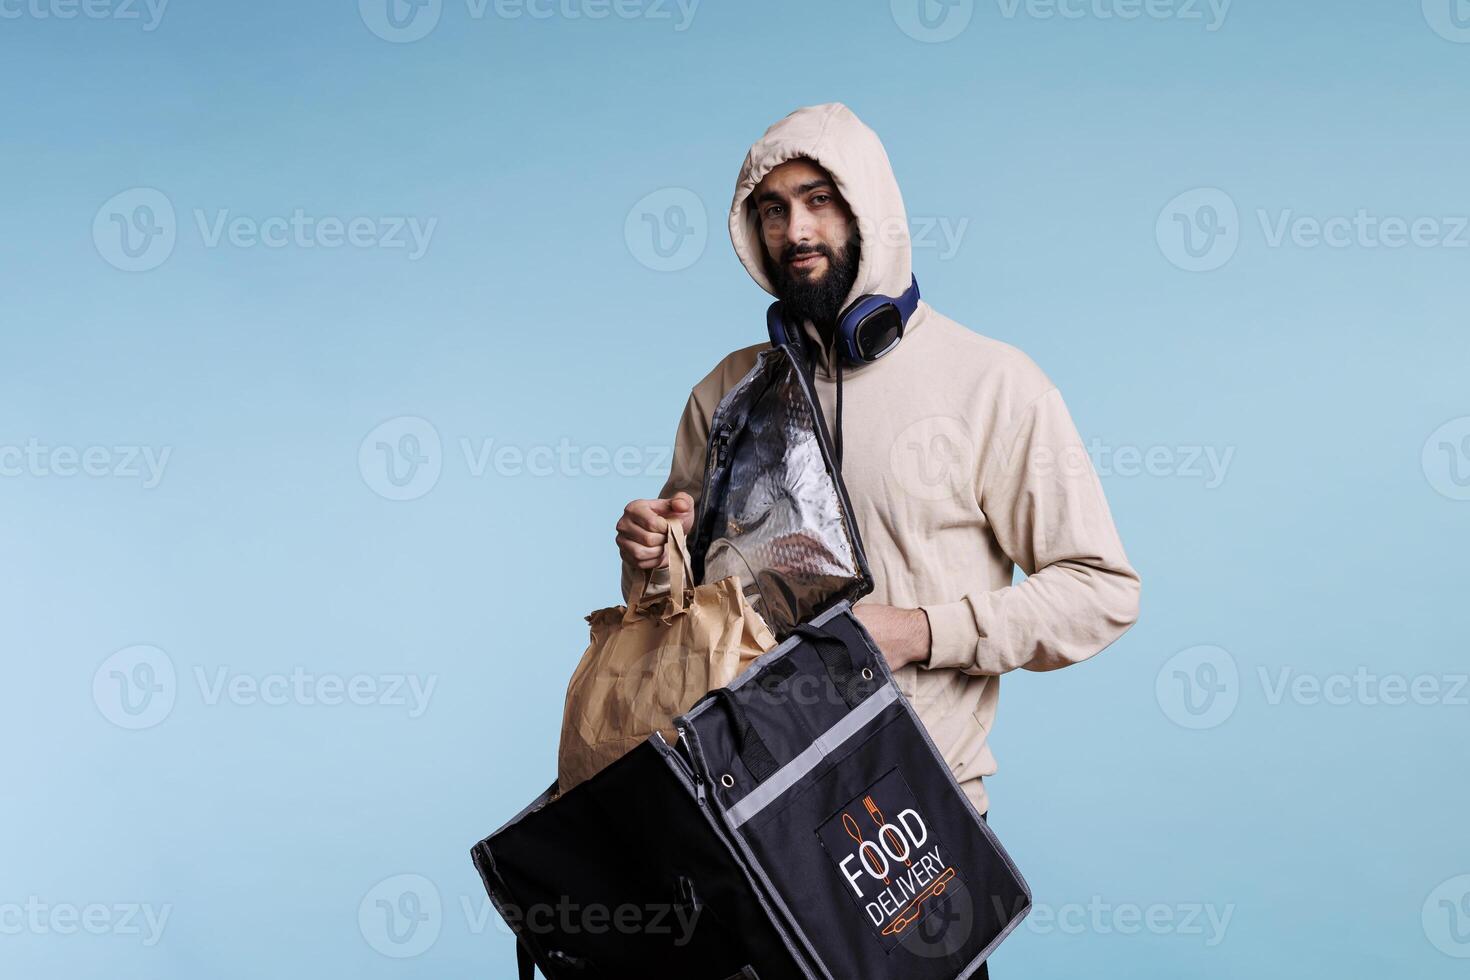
(626, 876)
(773, 509)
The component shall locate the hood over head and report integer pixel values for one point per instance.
(838, 141)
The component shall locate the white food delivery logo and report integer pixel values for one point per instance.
(890, 862)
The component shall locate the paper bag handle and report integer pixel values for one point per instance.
(681, 572)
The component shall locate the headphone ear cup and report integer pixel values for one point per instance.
(847, 324)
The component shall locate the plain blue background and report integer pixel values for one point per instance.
(1327, 833)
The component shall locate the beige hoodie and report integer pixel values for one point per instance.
(961, 461)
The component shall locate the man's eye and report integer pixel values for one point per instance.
(773, 211)
(820, 198)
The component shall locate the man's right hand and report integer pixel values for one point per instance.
(641, 533)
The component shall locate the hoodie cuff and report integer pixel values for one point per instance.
(953, 635)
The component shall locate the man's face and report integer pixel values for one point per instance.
(803, 220)
(811, 243)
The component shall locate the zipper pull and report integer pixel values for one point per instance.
(722, 445)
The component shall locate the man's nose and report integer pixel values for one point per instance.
(800, 228)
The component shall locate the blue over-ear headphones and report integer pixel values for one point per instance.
(871, 326)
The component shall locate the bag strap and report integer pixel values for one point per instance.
(748, 742)
(837, 658)
(681, 573)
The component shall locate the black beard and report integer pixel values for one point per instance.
(818, 300)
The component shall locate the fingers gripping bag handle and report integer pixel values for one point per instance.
(681, 571)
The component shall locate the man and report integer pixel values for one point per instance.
(959, 455)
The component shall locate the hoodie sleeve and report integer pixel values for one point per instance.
(1047, 511)
(686, 472)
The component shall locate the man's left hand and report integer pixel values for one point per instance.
(902, 634)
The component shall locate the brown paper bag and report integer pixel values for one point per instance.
(650, 661)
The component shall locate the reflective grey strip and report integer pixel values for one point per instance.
(827, 743)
